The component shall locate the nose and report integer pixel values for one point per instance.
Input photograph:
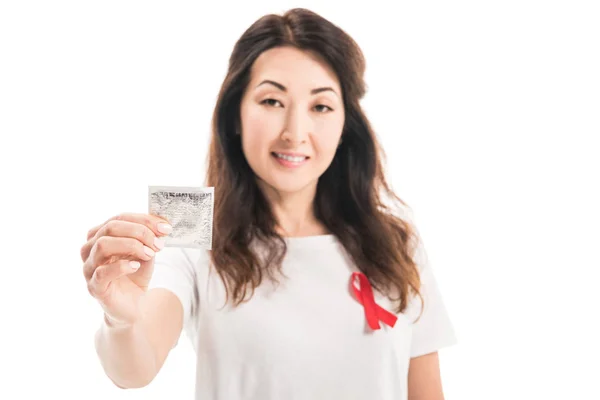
(297, 127)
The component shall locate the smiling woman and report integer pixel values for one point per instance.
(292, 116)
(314, 287)
(287, 158)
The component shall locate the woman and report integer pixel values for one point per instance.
(314, 287)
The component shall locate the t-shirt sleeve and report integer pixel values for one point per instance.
(434, 330)
(174, 270)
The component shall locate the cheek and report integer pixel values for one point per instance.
(253, 120)
(253, 131)
(327, 136)
(258, 125)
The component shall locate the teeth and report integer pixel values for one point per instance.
(290, 158)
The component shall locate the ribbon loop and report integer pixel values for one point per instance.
(373, 312)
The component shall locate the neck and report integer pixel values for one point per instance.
(294, 212)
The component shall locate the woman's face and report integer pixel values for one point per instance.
(292, 117)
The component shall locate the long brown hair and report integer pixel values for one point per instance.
(350, 194)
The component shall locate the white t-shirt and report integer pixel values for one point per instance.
(305, 339)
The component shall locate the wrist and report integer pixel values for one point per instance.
(113, 323)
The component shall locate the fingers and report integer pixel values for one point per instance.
(92, 232)
(120, 239)
(102, 276)
(108, 249)
(132, 230)
(160, 226)
(127, 229)
(145, 228)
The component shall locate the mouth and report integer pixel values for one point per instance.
(290, 160)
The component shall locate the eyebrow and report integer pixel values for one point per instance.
(284, 89)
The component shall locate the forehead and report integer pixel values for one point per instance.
(293, 67)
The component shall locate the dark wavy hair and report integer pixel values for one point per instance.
(350, 193)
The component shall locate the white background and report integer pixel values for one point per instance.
(489, 113)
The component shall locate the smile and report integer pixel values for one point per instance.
(288, 160)
(296, 159)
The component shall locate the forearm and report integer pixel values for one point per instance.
(126, 355)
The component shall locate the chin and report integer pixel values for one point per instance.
(287, 185)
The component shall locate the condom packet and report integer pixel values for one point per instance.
(189, 210)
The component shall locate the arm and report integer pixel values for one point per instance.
(133, 355)
(424, 380)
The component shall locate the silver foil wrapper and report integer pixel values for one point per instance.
(189, 211)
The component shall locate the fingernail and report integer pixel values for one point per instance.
(165, 228)
(149, 251)
(134, 264)
(159, 243)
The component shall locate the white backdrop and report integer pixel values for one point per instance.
(489, 113)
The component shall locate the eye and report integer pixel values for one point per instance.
(271, 102)
(323, 109)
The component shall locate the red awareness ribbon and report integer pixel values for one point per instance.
(373, 311)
